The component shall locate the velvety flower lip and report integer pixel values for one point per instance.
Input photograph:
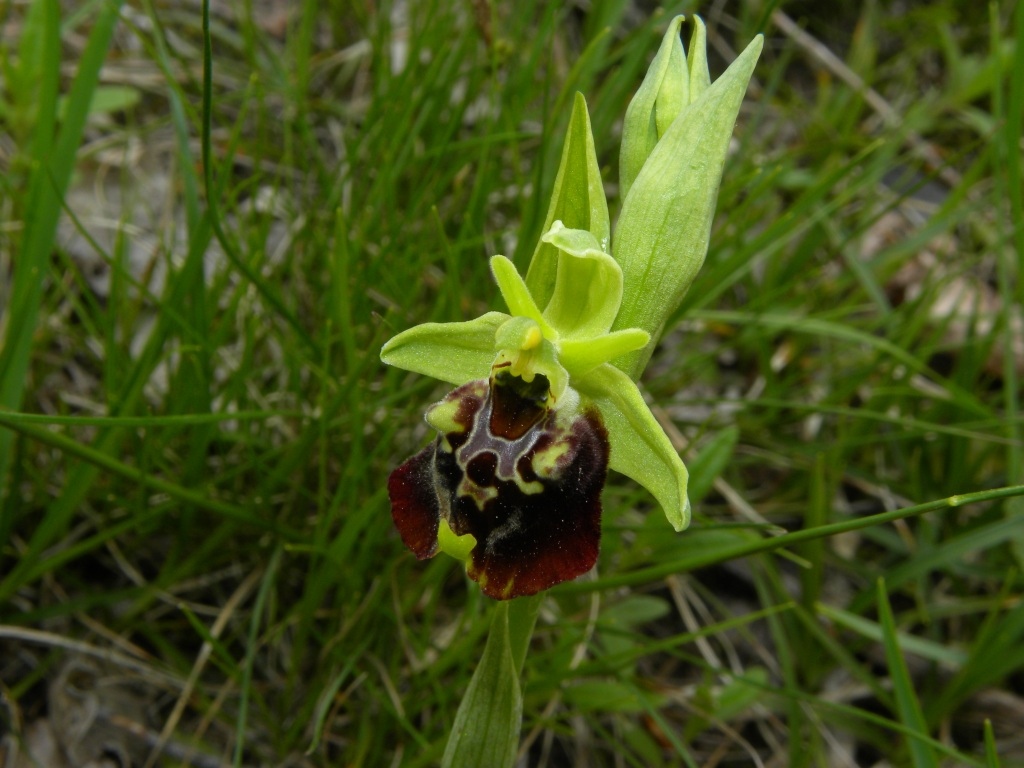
(514, 487)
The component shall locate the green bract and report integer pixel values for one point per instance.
(591, 307)
(663, 230)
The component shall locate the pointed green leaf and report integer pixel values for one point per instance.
(580, 356)
(640, 448)
(662, 234)
(577, 200)
(697, 60)
(588, 285)
(452, 352)
(515, 293)
(640, 127)
(487, 725)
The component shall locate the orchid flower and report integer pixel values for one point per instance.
(546, 398)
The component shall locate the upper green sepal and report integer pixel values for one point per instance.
(452, 352)
(588, 284)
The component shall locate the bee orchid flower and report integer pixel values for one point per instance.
(546, 398)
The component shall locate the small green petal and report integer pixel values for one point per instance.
(697, 60)
(640, 126)
(452, 352)
(640, 448)
(588, 287)
(577, 200)
(516, 294)
(580, 356)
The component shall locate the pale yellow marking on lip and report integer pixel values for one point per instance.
(480, 494)
(545, 462)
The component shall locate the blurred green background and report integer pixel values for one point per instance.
(197, 562)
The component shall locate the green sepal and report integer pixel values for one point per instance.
(452, 352)
(588, 285)
(578, 201)
(487, 726)
(640, 126)
(697, 60)
(515, 293)
(662, 234)
(640, 449)
(580, 356)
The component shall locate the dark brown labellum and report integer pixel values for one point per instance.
(524, 480)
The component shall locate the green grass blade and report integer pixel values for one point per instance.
(991, 754)
(907, 705)
(48, 184)
(104, 461)
(727, 547)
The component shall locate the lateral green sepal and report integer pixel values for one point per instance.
(588, 285)
(578, 200)
(452, 352)
(640, 449)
